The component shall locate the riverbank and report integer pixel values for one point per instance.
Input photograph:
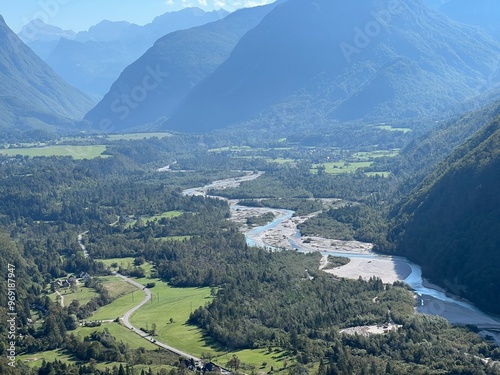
(282, 233)
(388, 270)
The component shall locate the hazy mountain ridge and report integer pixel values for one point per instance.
(92, 60)
(31, 94)
(418, 63)
(449, 223)
(180, 60)
(482, 13)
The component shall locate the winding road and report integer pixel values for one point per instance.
(126, 317)
(147, 336)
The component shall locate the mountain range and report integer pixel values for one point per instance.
(91, 60)
(350, 61)
(177, 62)
(32, 96)
(345, 61)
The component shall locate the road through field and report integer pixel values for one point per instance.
(147, 336)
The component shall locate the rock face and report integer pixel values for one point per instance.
(153, 86)
(31, 94)
(357, 60)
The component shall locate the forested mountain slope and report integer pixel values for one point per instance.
(421, 156)
(450, 222)
(357, 60)
(31, 94)
(174, 65)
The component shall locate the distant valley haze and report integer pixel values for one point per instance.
(80, 15)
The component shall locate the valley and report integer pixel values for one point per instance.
(280, 187)
(231, 197)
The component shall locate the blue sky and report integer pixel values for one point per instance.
(79, 15)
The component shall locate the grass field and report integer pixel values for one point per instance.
(167, 303)
(341, 167)
(119, 306)
(76, 152)
(175, 303)
(148, 219)
(120, 333)
(118, 287)
(136, 136)
(82, 295)
(126, 263)
(393, 129)
(281, 161)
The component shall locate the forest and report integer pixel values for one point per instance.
(262, 300)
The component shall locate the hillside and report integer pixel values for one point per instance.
(415, 63)
(482, 13)
(182, 59)
(92, 60)
(43, 38)
(449, 223)
(421, 156)
(31, 94)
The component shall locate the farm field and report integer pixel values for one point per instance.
(76, 152)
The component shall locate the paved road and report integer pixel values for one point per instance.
(128, 314)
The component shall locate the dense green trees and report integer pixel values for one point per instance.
(263, 299)
(449, 224)
(349, 222)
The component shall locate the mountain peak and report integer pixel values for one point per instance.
(37, 29)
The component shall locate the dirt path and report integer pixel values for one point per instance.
(61, 298)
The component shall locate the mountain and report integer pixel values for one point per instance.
(92, 60)
(31, 94)
(106, 31)
(435, 4)
(153, 86)
(483, 13)
(43, 38)
(449, 223)
(421, 156)
(356, 60)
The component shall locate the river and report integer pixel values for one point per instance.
(431, 299)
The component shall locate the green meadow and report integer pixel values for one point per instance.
(76, 152)
(148, 219)
(178, 303)
(341, 167)
(394, 129)
(82, 295)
